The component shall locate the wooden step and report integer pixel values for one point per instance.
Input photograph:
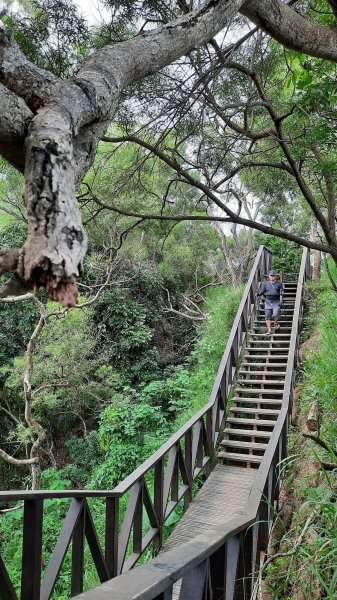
(254, 411)
(263, 349)
(286, 315)
(248, 433)
(262, 325)
(256, 400)
(266, 356)
(276, 373)
(252, 458)
(283, 312)
(285, 308)
(261, 381)
(262, 330)
(274, 335)
(258, 391)
(269, 341)
(262, 364)
(240, 444)
(261, 422)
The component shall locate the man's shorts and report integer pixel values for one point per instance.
(272, 308)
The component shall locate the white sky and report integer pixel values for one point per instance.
(93, 10)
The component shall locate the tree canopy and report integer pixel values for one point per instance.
(61, 87)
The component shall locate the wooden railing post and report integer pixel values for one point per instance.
(159, 502)
(32, 550)
(217, 567)
(111, 535)
(77, 564)
(188, 463)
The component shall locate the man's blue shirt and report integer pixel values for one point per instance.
(271, 290)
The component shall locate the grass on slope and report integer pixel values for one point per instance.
(221, 304)
(311, 572)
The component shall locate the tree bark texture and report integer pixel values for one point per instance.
(317, 255)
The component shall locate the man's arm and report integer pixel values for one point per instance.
(262, 290)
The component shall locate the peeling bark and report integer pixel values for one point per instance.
(312, 420)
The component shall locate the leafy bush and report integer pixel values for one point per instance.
(286, 255)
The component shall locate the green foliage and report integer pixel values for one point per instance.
(85, 454)
(286, 255)
(169, 394)
(221, 304)
(124, 427)
(51, 33)
(320, 370)
(125, 328)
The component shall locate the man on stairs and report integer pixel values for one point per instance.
(272, 290)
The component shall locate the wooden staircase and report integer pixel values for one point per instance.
(257, 396)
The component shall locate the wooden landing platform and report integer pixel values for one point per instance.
(222, 496)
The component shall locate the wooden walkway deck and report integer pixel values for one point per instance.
(222, 496)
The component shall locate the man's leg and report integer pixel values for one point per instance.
(276, 314)
(268, 311)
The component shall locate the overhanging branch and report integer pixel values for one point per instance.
(186, 177)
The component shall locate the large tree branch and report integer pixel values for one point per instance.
(283, 143)
(14, 120)
(17, 461)
(291, 29)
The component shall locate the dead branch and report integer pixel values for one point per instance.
(318, 440)
(312, 420)
(191, 310)
(296, 546)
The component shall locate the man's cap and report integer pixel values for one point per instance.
(272, 272)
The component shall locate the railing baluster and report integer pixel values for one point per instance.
(32, 550)
(217, 564)
(138, 522)
(95, 547)
(188, 464)
(209, 440)
(111, 535)
(244, 575)
(127, 526)
(159, 501)
(255, 550)
(60, 550)
(233, 549)
(7, 591)
(77, 559)
(193, 584)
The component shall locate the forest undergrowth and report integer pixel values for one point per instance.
(132, 426)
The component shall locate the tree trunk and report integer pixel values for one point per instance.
(317, 255)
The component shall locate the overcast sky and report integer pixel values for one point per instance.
(92, 10)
